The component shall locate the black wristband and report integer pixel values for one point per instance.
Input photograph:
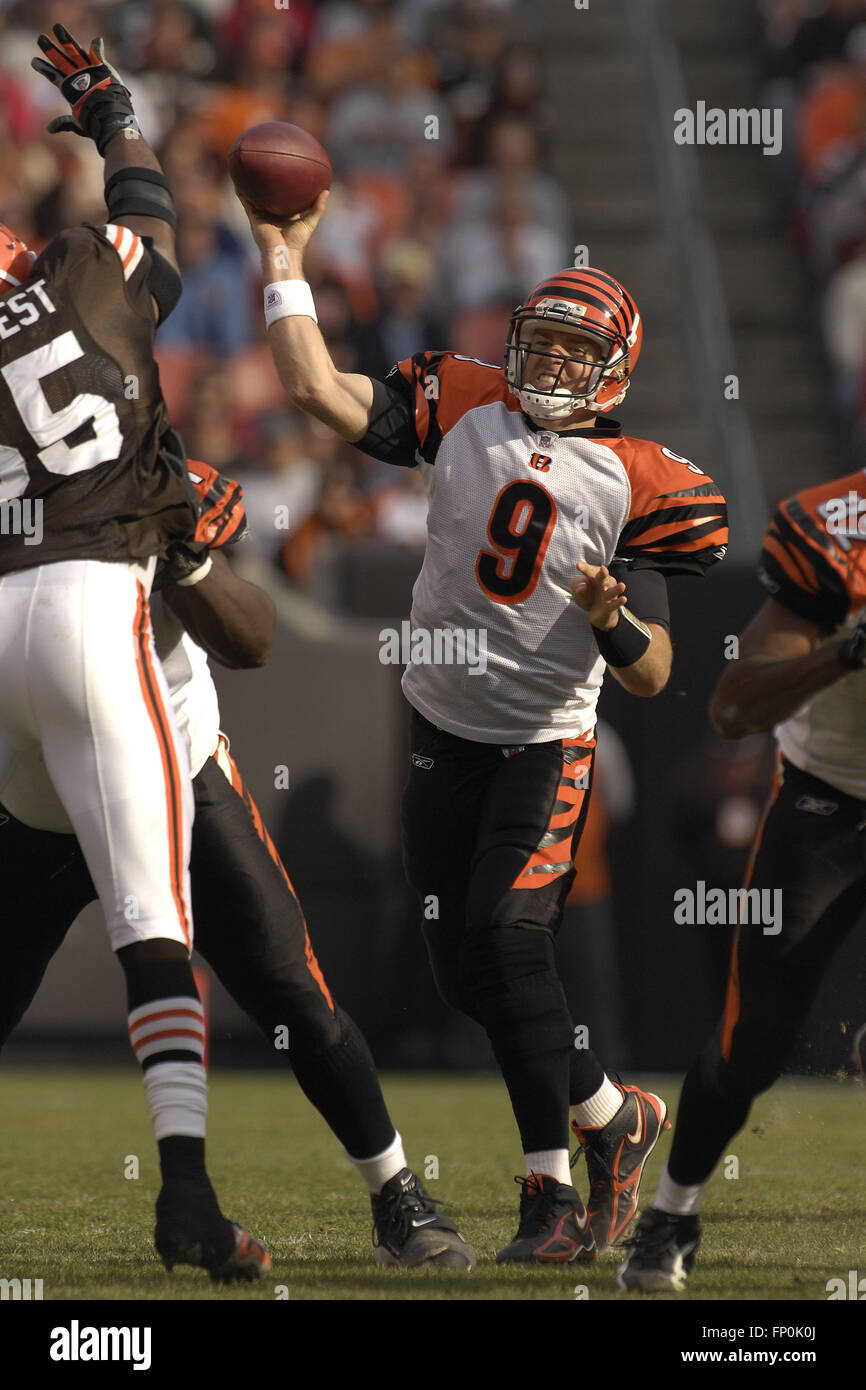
(140, 193)
(105, 113)
(624, 644)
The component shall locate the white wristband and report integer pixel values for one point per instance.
(196, 576)
(285, 297)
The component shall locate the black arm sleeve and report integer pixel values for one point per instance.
(646, 591)
(391, 436)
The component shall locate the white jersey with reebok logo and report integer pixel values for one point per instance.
(513, 508)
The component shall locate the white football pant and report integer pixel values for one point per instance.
(88, 740)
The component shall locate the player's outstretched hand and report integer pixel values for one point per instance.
(599, 595)
(101, 104)
(293, 233)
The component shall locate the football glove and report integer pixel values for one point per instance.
(101, 105)
(221, 521)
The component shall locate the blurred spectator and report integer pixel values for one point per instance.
(214, 310)
(833, 112)
(207, 422)
(511, 153)
(499, 258)
(282, 488)
(407, 321)
(374, 127)
(517, 91)
(399, 509)
(845, 330)
(798, 37)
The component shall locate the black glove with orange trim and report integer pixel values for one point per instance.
(221, 521)
(101, 105)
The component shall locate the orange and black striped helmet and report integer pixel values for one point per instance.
(15, 260)
(596, 306)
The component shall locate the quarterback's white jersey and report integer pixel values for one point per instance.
(513, 507)
(820, 574)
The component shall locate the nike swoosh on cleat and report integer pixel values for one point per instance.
(638, 1133)
(425, 1221)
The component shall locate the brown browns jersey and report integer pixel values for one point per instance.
(81, 409)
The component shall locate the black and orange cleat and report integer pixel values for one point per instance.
(616, 1154)
(191, 1230)
(554, 1225)
(249, 1261)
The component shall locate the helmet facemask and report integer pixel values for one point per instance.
(604, 385)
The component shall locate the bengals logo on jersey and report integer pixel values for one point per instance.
(541, 461)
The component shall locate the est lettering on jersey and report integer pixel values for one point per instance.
(813, 563)
(512, 508)
(81, 410)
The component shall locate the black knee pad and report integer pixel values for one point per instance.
(508, 977)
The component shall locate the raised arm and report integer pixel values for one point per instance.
(342, 400)
(137, 194)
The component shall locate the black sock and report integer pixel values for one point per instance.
(181, 1158)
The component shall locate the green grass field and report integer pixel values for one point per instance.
(794, 1218)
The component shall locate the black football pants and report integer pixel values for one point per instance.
(812, 846)
(489, 838)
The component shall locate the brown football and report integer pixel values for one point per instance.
(279, 168)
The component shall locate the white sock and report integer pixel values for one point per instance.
(177, 1089)
(177, 1096)
(551, 1161)
(376, 1171)
(675, 1199)
(599, 1108)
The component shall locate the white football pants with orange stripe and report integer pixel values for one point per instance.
(88, 740)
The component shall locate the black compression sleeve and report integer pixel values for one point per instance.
(646, 591)
(391, 435)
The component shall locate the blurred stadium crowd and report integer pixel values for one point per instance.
(815, 71)
(441, 214)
